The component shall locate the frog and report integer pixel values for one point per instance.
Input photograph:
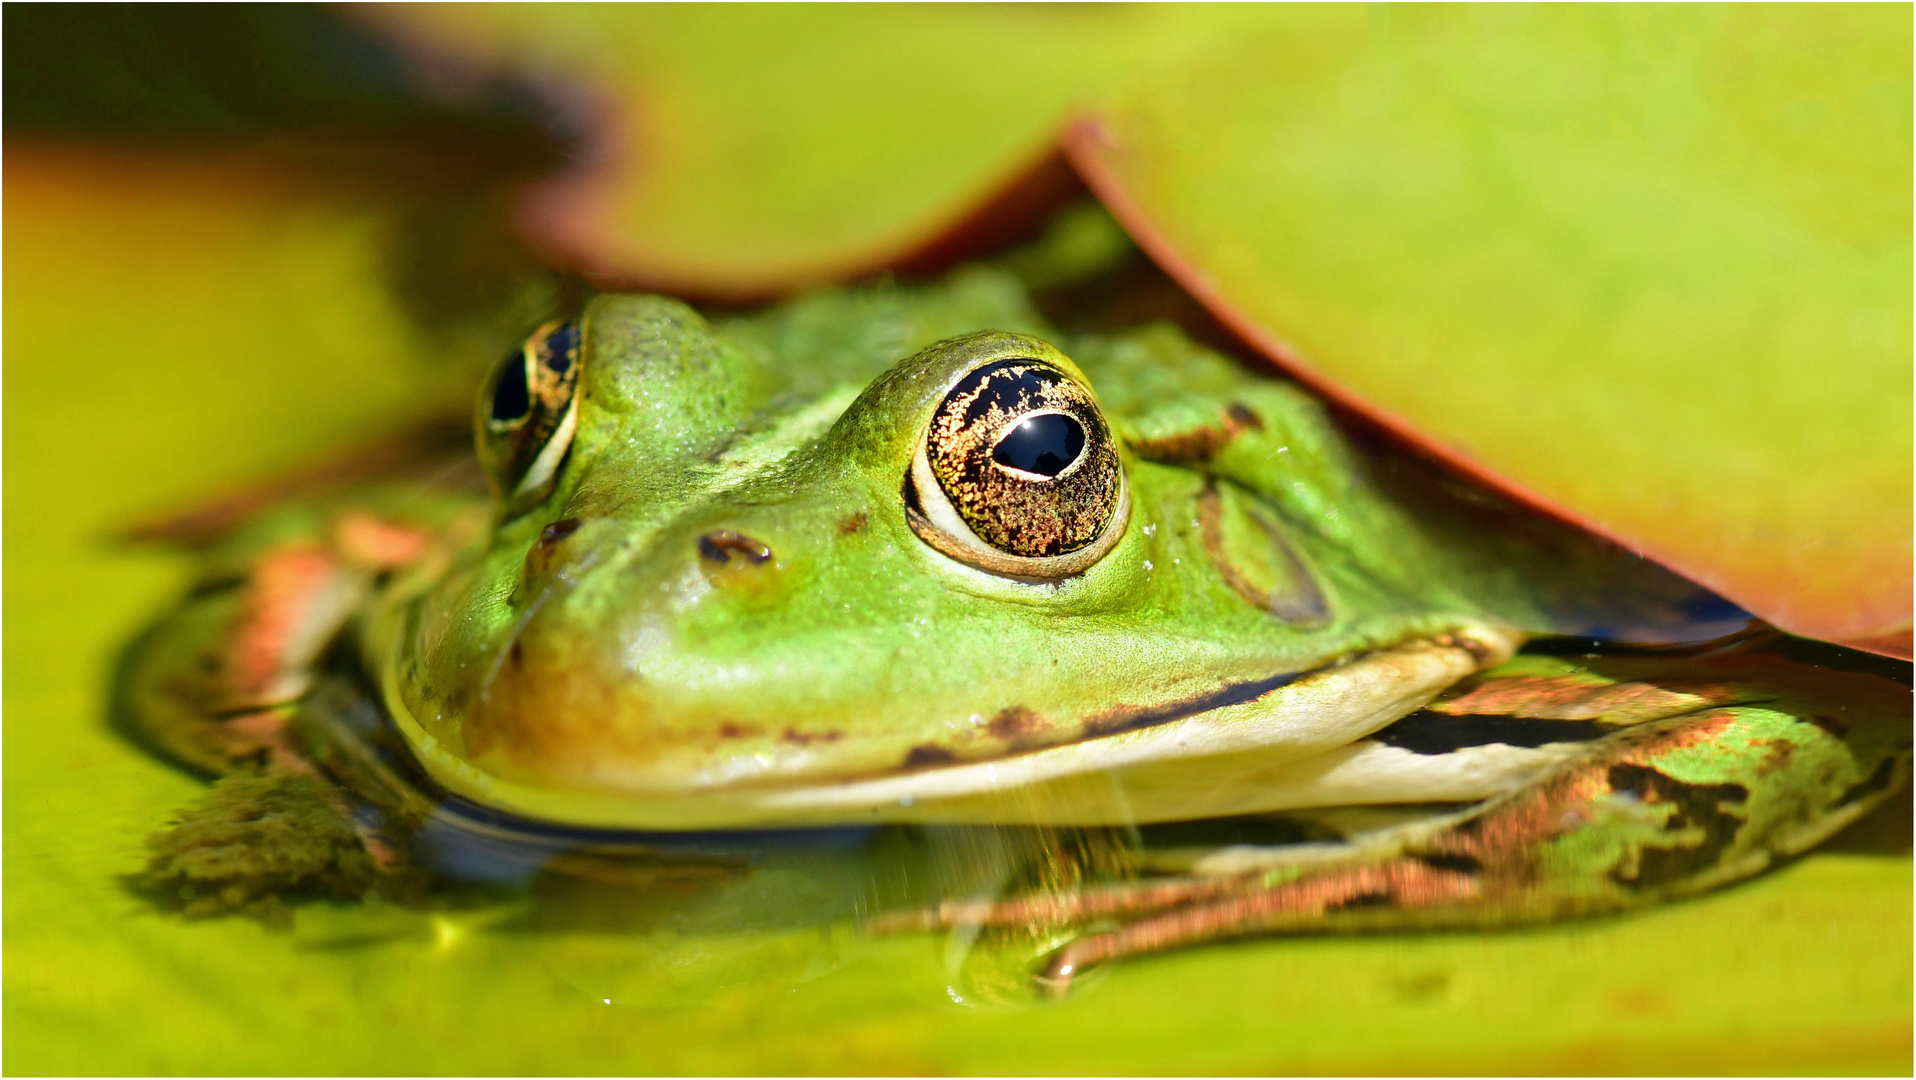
(915, 555)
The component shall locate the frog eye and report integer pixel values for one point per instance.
(528, 410)
(1018, 473)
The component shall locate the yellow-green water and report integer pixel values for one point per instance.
(167, 332)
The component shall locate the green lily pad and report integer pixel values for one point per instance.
(1646, 267)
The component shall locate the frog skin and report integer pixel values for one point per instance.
(914, 555)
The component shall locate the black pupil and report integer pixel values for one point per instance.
(512, 398)
(1044, 444)
(559, 347)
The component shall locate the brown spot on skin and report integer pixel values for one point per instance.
(1241, 417)
(726, 546)
(729, 730)
(1200, 444)
(1781, 750)
(517, 654)
(854, 524)
(807, 738)
(1015, 722)
(928, 754)
(1193, 447)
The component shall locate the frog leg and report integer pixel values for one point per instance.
(1662, 810)
(256, 837)
(214, 684)
(216, 687)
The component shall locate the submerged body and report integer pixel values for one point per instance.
(917, 556)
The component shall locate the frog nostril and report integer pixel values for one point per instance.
(558, 531)
(720, 547)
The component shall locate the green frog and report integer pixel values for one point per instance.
(918, 555)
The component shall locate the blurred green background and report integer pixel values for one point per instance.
(240, 236)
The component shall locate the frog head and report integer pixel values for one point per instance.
(705, 599)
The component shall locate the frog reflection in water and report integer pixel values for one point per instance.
(913, 556)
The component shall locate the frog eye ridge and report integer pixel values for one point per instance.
(528, 412)
(1018, 473)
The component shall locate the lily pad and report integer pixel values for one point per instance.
(1649, 268)
(749, 152)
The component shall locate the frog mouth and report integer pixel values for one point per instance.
(1141, 768)
(1285, 742)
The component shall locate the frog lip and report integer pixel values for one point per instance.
(1121, 720)
(1137, 769)
(1285, 717)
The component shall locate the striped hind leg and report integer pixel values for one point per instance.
(1654, 812)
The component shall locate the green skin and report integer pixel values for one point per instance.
(619, 659)
(581, 653)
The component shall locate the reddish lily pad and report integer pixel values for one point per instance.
(1649, 268)
(748, 152)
